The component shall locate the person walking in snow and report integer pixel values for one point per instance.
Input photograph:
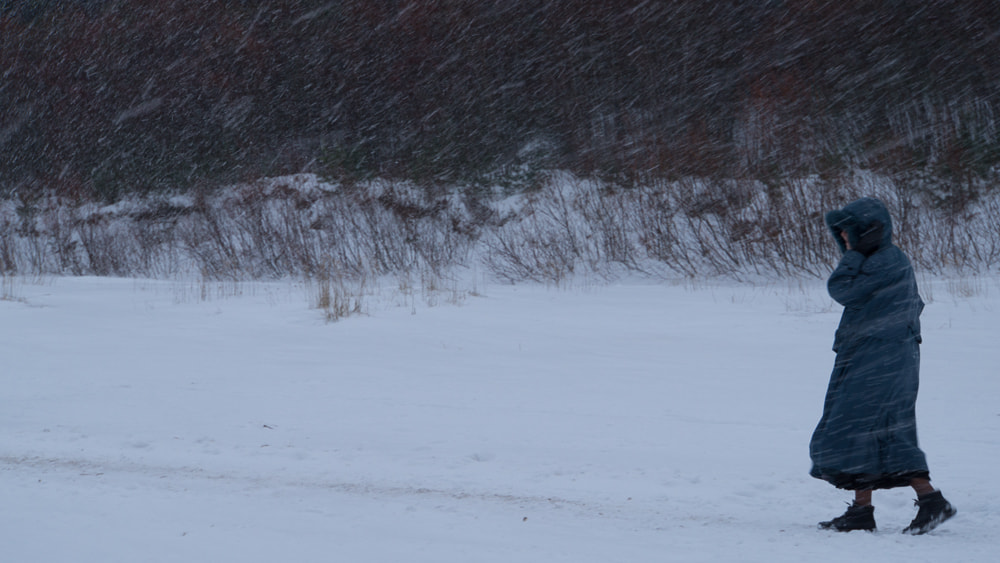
(866, 438)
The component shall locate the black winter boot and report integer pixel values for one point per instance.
(934, 510)
(856, 518)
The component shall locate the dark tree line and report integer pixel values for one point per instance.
(103, 96)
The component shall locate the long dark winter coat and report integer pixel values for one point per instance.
(867, 436)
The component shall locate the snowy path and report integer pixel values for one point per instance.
(641, 422)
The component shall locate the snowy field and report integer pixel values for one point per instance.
(164, 421)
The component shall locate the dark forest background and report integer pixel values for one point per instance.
(99, 98)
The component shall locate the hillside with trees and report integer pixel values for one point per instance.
(110, 96)
(703, 137)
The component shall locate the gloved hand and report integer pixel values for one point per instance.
(870, 238)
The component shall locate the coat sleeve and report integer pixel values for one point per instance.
(850, 284)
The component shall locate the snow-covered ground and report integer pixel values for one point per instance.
(163, 421)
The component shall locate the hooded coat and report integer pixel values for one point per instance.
(867, 435)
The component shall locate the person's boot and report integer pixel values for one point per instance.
(856, 518)
(933, 510)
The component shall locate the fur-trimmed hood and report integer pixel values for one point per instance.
(866, 222)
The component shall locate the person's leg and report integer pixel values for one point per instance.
(863, 497)
(922, 486)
